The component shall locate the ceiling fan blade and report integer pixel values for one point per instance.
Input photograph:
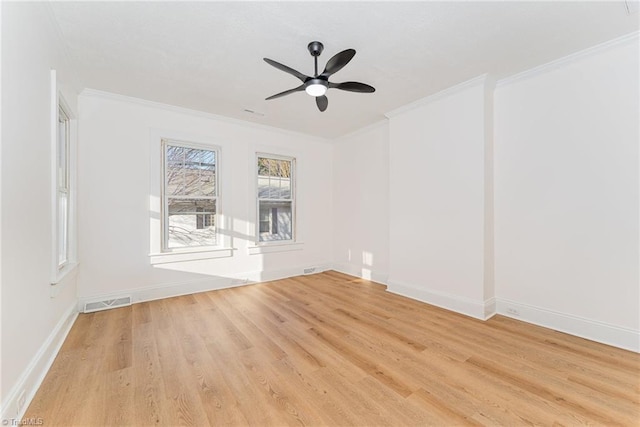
(353, 87)
(286, 69)
(322, 102)
(286, 92)
(338, 61)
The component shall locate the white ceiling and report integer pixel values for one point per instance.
(207, 56)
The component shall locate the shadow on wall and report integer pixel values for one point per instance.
(201, 264)
(361, 263)
(199, 270)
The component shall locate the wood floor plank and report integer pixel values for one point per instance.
(179, 390)
(148, 385)
(328, 350)
(119, 392)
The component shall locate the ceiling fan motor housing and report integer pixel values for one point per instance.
(315, 48)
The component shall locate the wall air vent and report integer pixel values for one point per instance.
(90, 307)
(257, 113)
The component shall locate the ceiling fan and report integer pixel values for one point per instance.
(318, 84)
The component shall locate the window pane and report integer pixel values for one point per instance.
(192, 157)
(190, 171)
(208, 182)
(276, 220)
(63, 223)
(175, 155)
(282, 168)
(208, 160)
(175, 179)
(263, 187)
(191, 182)
(285, 188)
(190, 191)
(265, 221)
(274, 178)
(263, 166)
(275, 199)
(274, 188)
(62, 148)
(62, 183)
(274, 167)
(191, 223)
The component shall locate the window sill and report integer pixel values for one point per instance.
(163, 258)
(63, 273)
(272, 248)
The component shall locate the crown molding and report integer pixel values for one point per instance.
(439, 95)
(94, 93)
(576, 56)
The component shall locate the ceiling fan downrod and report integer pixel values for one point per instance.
(315, 49)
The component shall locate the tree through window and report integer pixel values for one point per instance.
(190, 195)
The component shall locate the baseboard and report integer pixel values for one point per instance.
(490, 308)
(175, 289)
(361, 272)
(478, 309)
(34, 374)
(601, 332)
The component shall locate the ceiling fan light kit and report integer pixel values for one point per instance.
(316, 87)
(318, 84)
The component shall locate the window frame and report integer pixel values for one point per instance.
(62, 271)
(63, 191)
(292, 199)
(164, 197)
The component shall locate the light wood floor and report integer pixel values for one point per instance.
(328, 349)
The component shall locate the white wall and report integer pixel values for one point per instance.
(120, 140)
(437, 199)
(566, 207)
(361, 203)
(32, 321)
(541, 224)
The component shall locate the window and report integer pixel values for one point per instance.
(62, 184)
(276, 198)
(190, 195)
(62, 187)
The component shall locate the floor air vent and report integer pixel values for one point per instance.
(90, 307)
